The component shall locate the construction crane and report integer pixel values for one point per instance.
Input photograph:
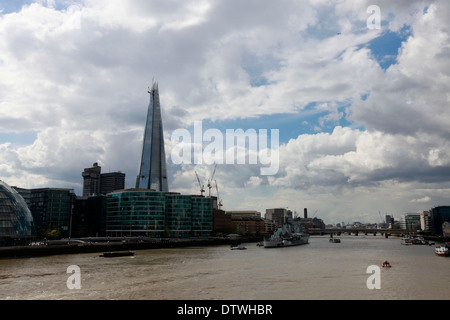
(380, 215)
(210, 180)
(219, 201)
(199, 183)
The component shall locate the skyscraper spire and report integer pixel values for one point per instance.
(152, 169)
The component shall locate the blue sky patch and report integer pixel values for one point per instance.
(385, 48)
(9, 6)
(256, 66)
(18, 139)
(310, 120)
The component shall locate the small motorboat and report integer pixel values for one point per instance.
(239, 247)
(442, 250)
(112, 254)
(386, 264)
(260, 244)
(406, 241)
(335, 240)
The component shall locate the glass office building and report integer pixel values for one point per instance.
(149, 213)
(51, 209)
(202, 223)
(135, 212)
(179, 215)
(16, 221)
(152, 168)
(439, 215)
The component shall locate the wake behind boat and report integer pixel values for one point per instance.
(286, 236)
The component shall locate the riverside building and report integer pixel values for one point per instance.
(16, 221)
(439, 215)
(51, 209)
(151, 213)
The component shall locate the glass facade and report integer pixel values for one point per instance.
(135, 213)
(139, 212)
(202, 222)
(179, 215)
(89, 217)
(152, 169)
(439, 215)
(16, 221)
(51, 209)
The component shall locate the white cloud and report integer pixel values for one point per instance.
(77, 77)
(351, 157)
(422, 200)
(412, 99)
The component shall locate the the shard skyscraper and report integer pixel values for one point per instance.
(152, 169)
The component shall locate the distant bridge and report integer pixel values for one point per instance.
(356, 231)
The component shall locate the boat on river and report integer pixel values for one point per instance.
(286, 236)
(335, 240)
(112, 254)
(239, 247)
(442, 250)
(410, 240)
(406, 241)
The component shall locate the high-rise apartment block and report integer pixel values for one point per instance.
(91, 180)
(111, 181)
(95, 182)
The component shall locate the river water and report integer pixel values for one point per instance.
(318, 270)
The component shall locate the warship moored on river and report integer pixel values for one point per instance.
(286, 236)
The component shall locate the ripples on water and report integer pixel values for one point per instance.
(319, 270)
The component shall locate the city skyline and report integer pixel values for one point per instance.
(362, 112)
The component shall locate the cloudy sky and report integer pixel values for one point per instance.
(362, 112)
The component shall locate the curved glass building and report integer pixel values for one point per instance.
(16, 221)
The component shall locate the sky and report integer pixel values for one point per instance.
(362, 110)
